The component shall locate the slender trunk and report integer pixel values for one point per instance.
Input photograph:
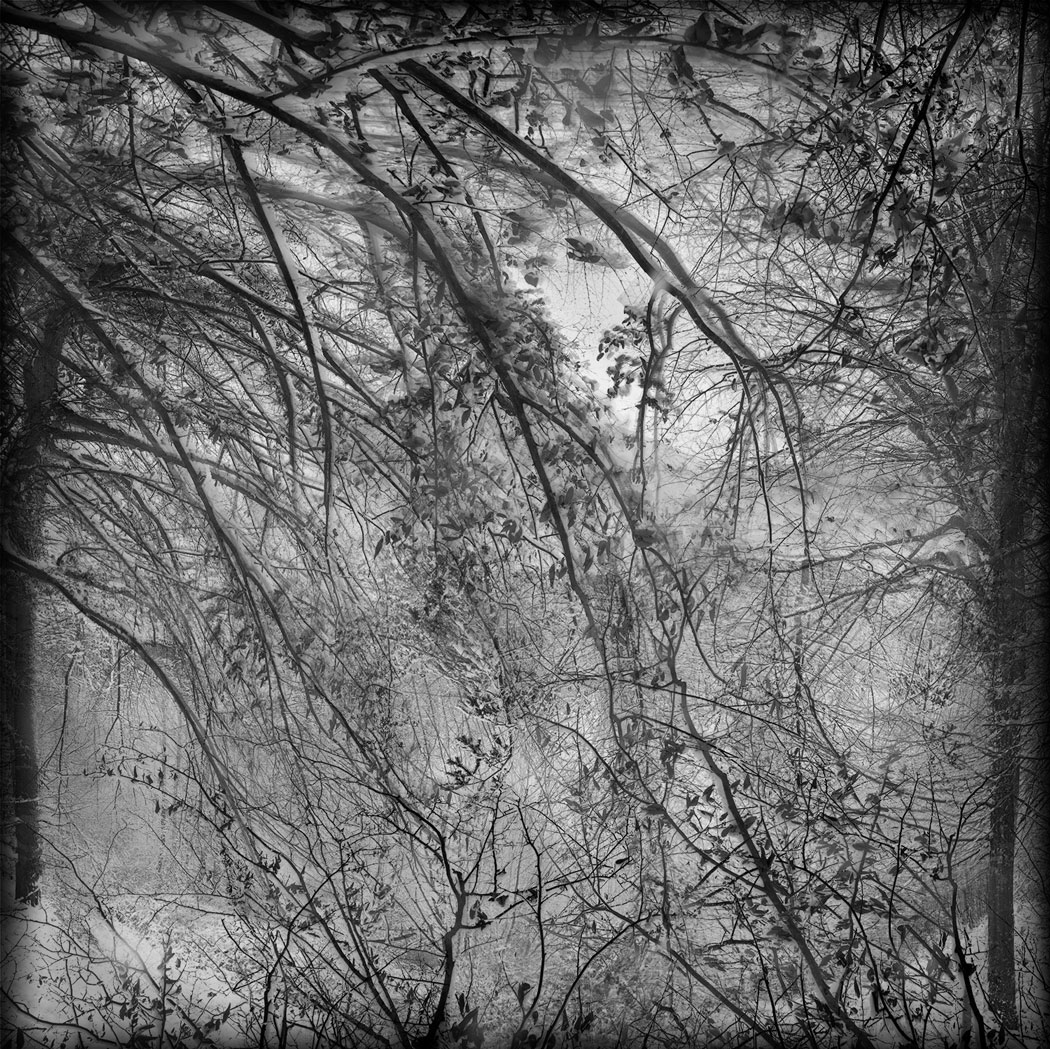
(23, 498)
(1008, 675)
(1019, 319)
(21, 777)
(1002, 982)
(1012, 622)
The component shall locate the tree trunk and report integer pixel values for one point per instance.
(1011, 628)
(1005, 767)
(21, 783)
(1002, 982)
(23, 498)
(1017, 256)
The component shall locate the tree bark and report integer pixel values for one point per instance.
(1002, 982)
(23, 498)
(21, 784)
(1018, 257)
(1013, 618)
(1005, 766)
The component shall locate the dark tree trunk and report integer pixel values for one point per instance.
(23, 507)
(1012, 619)
(20, 759)
(1019, 308)
(1005, 770)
